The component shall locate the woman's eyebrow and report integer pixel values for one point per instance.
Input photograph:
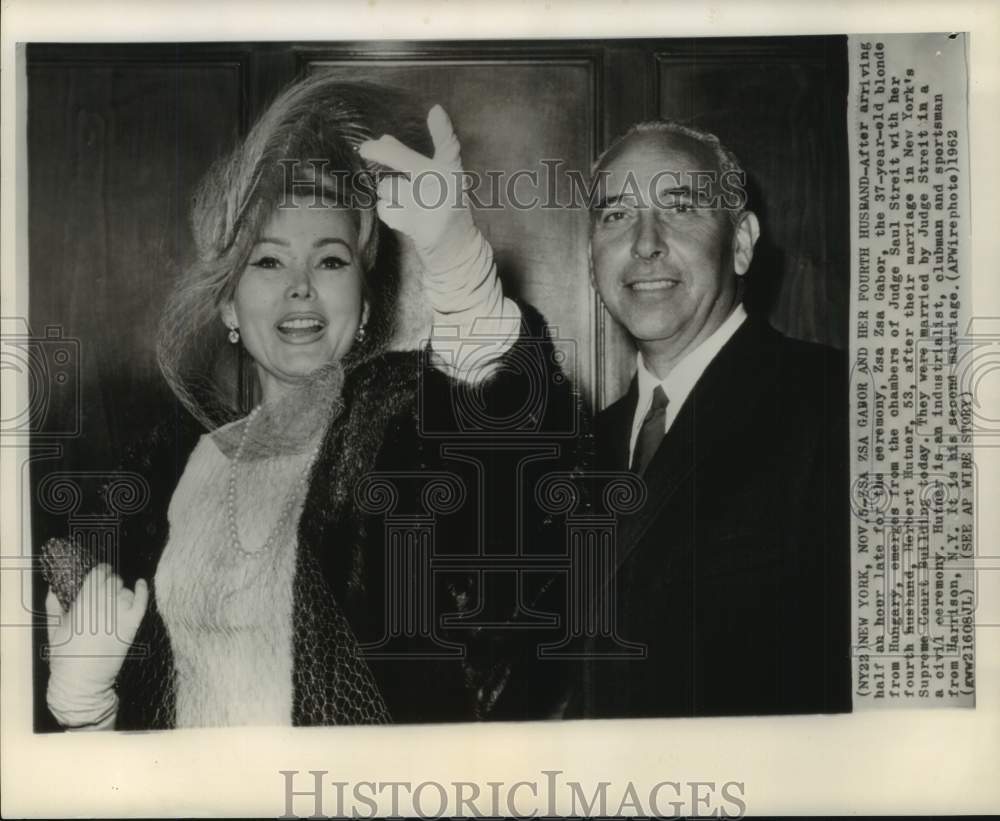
(318, 243)
(331, 240)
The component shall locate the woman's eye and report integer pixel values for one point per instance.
(266, 263)
(333, 262)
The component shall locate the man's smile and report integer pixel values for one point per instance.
(652, 284)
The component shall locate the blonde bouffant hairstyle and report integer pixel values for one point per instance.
(307, 139)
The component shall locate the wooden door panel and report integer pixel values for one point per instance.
(114, 153)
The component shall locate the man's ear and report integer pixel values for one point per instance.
(228, 313)
(744, 239)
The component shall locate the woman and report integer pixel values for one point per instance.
(247, 599)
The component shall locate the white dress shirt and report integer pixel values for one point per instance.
(682, 379)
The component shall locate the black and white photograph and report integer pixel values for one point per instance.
(356, 433)
(585, 393)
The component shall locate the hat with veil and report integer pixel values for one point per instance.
(306, 141)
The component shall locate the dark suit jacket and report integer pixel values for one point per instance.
(735, 572)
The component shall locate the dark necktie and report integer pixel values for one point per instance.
(651, 432)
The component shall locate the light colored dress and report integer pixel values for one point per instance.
(229, 616)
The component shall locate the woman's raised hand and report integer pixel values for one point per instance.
(426, 200)
(87, 645)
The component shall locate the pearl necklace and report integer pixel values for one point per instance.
(234, 534)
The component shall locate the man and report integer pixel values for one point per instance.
(734, 572)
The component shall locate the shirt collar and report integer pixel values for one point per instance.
(686, 373)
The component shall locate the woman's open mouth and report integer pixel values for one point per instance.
(301, 327)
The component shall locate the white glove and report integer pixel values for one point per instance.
(87, 645)
(428, 204)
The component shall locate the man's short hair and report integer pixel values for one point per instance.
(724, 158)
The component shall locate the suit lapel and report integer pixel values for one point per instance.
(717, 411)
(615, 429)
